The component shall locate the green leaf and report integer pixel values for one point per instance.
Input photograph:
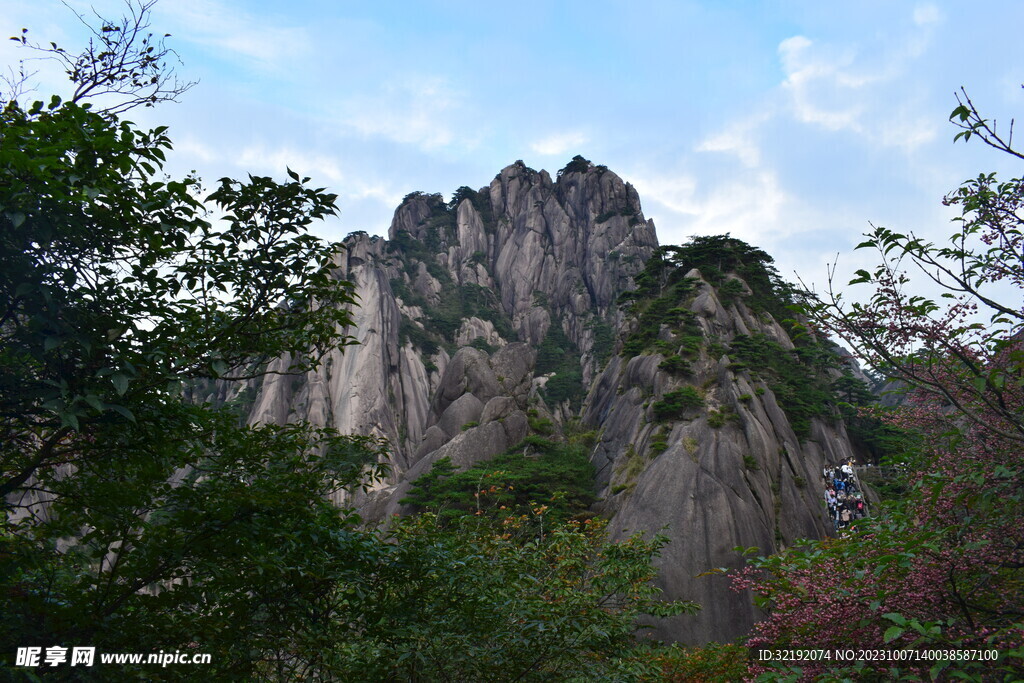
(120, 382)
(896, 618)
(124, 412)
(892, 633)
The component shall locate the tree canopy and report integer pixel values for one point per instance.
(940, 568)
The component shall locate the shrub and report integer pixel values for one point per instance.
(731, 290)
(541, 425)
(481, 343)
(711, 663)
(718, 418)
(534, 471)
(577, 165)
(659, 444)
(674, 404)
(558, 354)
(629, 468)
(675, 365)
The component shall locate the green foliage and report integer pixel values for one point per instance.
(627, 211)
(481, 343)
(731, 290)
(604, 340)
(716, 255)
(718, 418)
(490, 600)
(663, 293)
(439, 273)
(711, 663)
(577, 165)
(630, 468)
(940, 566)
(461, 195)
(801, 392)
(168, 525)
(558, 354)
(481, 201)
(123, 64)
(540, 425)
(409, 297)
(242, 549)
(535, 472)
(116, 289)
(659, 443)
(675, 404)
(420, 338)
(750, 463)
(868, 432)
(676, 365)
(441, 322)
(412, 250)
(658, 306)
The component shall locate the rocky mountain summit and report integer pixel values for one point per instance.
(535, 305)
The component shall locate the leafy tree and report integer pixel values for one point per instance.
(134, 520)
(941, 567)
(675, 404)
(490, 600)
(577, 165)
(116, 289)
(535, 472)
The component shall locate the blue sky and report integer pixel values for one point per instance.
(788, 124)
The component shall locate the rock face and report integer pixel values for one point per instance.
(454, 303)
(506, 300)
(731, 472)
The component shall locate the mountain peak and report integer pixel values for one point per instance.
(503, 314)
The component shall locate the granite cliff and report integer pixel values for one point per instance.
(547, 297)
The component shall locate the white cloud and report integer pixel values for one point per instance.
(421, 112)
(820, 86)
(227, 28)
(322, 169)
(191, 147)
(675, 192)
(559, 144)
(752, 206)
(858, 90)
(802, 236)
(738, 138)
(927, 14)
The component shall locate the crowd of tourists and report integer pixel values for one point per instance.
(843, 496)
